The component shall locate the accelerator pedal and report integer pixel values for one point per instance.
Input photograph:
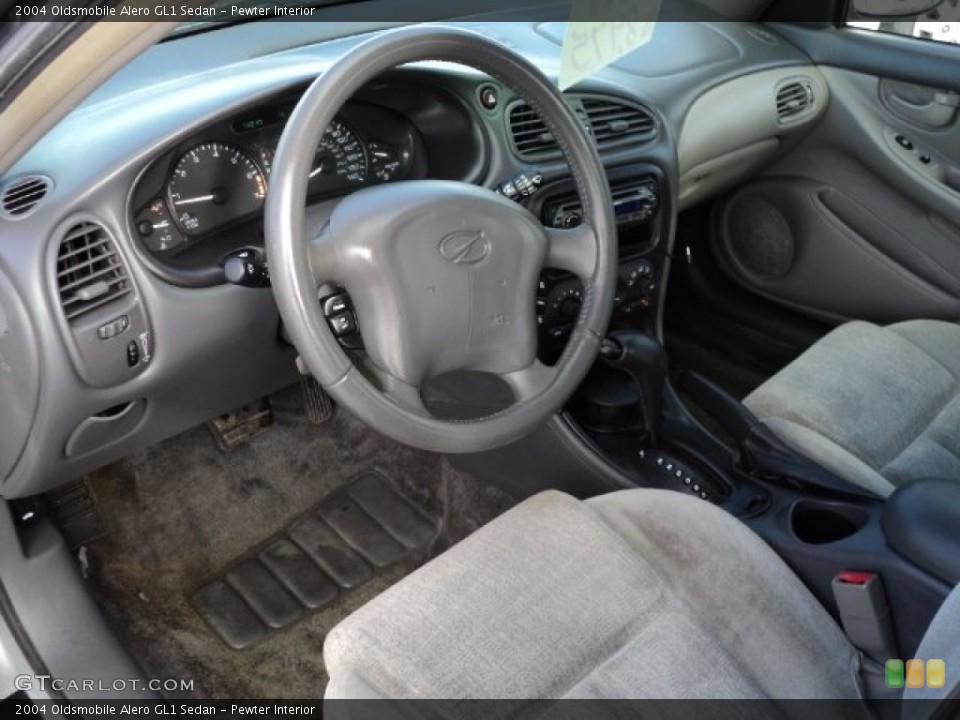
(316, 403)
(238, 426)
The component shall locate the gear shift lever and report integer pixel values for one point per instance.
(645, 361)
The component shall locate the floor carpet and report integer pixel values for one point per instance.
(183, 510)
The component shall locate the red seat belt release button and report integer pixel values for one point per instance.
(855, 577)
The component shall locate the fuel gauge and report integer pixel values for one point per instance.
(157, 228)
(385, 161)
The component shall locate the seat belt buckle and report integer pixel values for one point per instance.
(864, 613)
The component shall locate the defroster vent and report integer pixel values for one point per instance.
(22, 196)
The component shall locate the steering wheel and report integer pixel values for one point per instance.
(443, 275)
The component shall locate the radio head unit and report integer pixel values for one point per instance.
(634, 202)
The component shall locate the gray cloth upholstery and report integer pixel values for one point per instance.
(878, 406)
(940, 642)
(636, 594)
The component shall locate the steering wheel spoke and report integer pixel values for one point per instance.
(322, 256)
(532, 381)
(573, 249)
(404, 394)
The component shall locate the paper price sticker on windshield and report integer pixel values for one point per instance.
(614, 29)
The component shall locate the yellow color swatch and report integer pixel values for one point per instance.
(936, 673)
(914, 673)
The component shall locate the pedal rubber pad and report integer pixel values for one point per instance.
(317, 404)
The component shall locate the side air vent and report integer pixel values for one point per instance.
(529, 133)
(794, 98)
(90, 274)
(22, 196)
(610, 122)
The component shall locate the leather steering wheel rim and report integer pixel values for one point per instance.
(299, 264)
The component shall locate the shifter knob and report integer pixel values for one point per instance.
(645, 361)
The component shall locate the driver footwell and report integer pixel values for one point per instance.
(183, 517)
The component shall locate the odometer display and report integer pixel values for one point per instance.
(213, 184)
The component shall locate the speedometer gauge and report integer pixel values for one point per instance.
(340, 160)
(213, 184)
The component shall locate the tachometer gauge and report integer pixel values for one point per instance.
(340, 160)
(213, 184)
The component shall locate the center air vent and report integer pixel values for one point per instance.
(22, 196)
(794, 98)
(90, 274)
(610, 122)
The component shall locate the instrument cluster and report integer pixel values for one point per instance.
(214, 183)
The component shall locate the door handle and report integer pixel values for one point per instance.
(924, 107)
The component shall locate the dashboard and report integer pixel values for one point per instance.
(118, 327)
(202, 200)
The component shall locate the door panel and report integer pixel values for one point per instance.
(870, 199)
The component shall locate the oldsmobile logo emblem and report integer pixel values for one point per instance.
(465, 247)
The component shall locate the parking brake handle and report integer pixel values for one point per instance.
(762, 452)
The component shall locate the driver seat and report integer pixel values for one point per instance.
(635, 594)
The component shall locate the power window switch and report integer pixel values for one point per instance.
(904, 142)
(343, 324)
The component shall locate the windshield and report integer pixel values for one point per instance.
(231, 11)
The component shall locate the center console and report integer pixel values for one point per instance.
(637, 192)
(828, 530)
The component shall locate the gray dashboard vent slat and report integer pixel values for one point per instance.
(610, 121)
(22, 196)
(90, 273)
(794, 98)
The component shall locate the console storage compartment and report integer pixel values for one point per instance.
(816, 522)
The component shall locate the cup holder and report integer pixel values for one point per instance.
(817, 523)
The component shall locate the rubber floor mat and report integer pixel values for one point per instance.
(340, 544)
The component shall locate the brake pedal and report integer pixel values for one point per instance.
(316, 403)
(238, 426)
